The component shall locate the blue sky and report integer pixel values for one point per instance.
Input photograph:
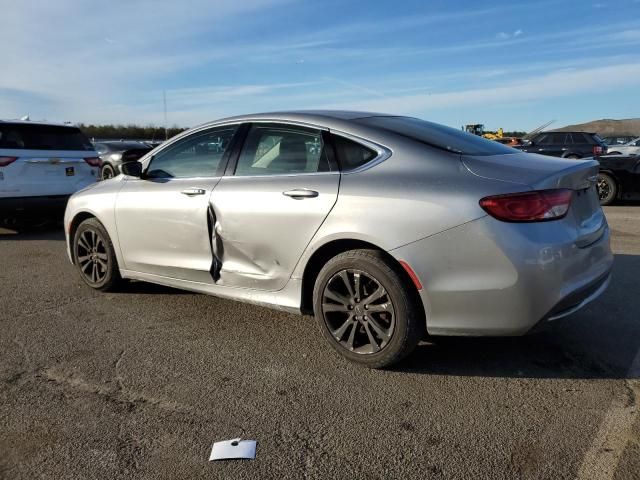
(505, 64)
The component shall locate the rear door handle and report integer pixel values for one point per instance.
(193, 191)
(300, 193)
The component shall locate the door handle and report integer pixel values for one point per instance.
(193, 191)
(300, 193)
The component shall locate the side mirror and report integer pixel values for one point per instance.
(132, 169)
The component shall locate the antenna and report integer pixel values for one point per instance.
(164, 97)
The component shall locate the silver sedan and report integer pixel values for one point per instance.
(386, 228)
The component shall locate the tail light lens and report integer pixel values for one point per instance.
(536, 206)
(597, 150)
(93, 161)
(4, 161)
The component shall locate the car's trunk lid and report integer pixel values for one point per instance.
(538, 172)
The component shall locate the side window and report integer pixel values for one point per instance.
(579, 138)
(352, 155)
(279, 150)
(558, 138)
(197, 155)
(544, 139)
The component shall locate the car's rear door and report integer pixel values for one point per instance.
(163, 219)
(271, 204)
(44, 160)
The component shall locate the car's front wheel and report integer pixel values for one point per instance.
(94, 256)
(607, 189)
(366, 309)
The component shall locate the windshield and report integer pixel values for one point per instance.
(437, 135)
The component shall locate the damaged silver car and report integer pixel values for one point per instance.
(386, 228)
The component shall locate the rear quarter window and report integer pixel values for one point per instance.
(436, 135)
(352, 155)
(42, 137)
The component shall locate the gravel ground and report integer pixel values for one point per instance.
(139, 384)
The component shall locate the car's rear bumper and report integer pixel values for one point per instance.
(45, 204)
(493, 278)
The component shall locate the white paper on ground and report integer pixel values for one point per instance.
(235, 448)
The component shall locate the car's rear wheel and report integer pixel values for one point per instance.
(573, 157)
(107, 171)
(614, 153)
(607, 189)
(94, 256)
(366, 309)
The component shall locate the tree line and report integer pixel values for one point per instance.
(128, 132)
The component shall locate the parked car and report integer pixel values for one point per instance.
(629, 148)
(114, 153)
(619, 178)
(620, 140)
(393, 227)
(566, 144)
(41, 165)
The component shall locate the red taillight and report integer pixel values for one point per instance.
(537, 206)
(597, 150)
(4, 161)
(93, 161)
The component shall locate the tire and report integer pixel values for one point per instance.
(614, 153)
(573, 157)
(607, 189)
(107, 171)
(94, 256)
(350, 324)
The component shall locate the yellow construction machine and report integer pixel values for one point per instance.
(478, 129)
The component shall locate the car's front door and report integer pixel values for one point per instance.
(163, 218)
(284, 185)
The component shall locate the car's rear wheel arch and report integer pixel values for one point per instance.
(336, 247)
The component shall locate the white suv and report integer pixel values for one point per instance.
(42, 164)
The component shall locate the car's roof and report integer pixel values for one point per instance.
(319, 117)
(117, 143)
(311, 114)
(568, 131)
(40, 122)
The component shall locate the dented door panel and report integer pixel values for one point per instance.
(260, 232)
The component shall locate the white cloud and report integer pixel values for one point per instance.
(507, 36)
(557, 84)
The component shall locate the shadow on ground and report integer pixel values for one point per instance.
(599, 342)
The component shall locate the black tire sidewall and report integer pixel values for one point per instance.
(113, 274)
(406, 333)
(613, 189)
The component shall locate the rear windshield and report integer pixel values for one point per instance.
(436, 135)
(118, 146)
(42, 137)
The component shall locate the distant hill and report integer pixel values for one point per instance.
(607, 127)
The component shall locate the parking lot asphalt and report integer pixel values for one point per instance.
(138, 384)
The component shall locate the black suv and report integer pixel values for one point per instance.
(566, 144)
